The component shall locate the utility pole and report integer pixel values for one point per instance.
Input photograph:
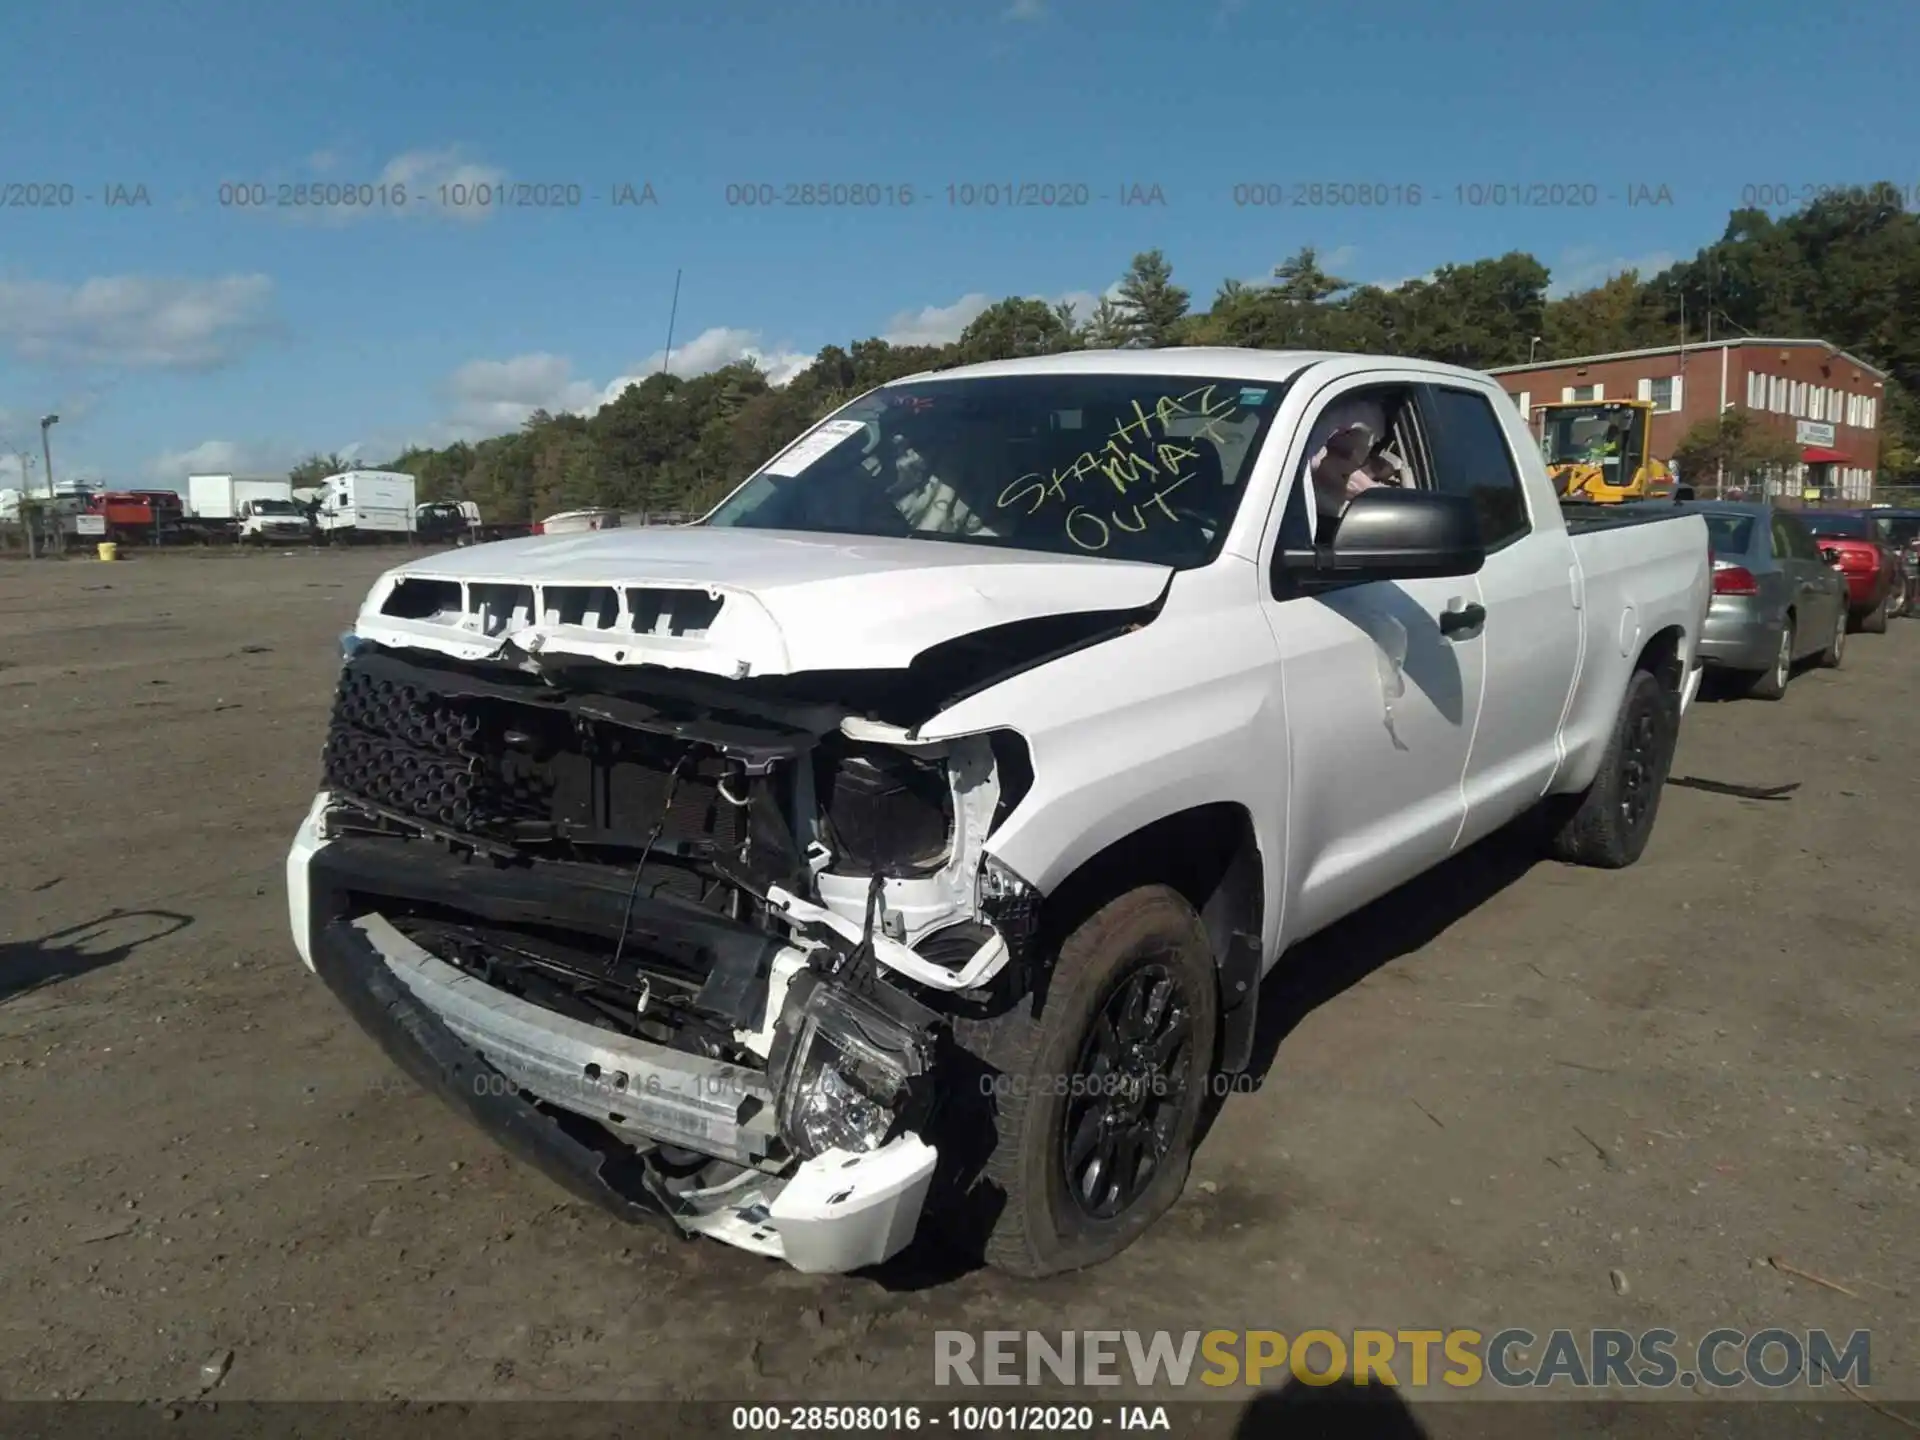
(672, 314)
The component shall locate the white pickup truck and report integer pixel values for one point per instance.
(912, 834)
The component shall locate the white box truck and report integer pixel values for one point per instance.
(253, 509)
(365, 505)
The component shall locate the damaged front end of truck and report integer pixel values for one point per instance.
(691, 942)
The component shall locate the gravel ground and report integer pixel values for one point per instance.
(1510, 1094)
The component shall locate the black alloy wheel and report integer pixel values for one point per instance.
(1640, 764)
(1127, 1092)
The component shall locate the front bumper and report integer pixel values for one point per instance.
(524, 1073)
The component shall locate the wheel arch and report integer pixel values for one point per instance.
(1661, 655)
(1210, 855)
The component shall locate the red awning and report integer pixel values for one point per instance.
(1814, 455)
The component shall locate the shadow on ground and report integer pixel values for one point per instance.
(1397, 924)
(1334, 1411)
(30, 965)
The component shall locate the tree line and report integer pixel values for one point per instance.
(1845, 269)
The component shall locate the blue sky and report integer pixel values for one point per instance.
(190, 334)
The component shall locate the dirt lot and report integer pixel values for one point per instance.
(1484, 1095)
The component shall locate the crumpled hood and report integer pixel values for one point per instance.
(734, 602)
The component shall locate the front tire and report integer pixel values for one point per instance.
(1607, 827)
(1875, 622)
(1098, 1098)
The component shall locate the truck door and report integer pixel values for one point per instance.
(1381, 685)
(1533, 631)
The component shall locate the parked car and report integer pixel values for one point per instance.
(1899, 531)
(1849, 541)
(910, 836)
(1776, 601)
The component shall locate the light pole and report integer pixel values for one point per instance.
(1533, 345)
(47, 422)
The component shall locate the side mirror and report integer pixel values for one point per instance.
(1392, 534)
(1682, 494)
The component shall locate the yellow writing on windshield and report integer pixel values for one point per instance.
(1090, 532)
(1139, 452)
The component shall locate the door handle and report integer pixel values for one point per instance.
(1468, 617)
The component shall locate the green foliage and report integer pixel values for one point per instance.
(316, 468)
(1153, 305)
(1013, 328)
(1750, 452)
(1846, 270)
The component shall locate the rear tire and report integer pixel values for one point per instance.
(1607, 827)
(1772, 683)
(1875, 622)
(1836, 650)
(1057, 1076)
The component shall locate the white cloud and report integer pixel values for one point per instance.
(1025, 10)
(1396, 283)
(424, 172)
(723, 345)
(1338, 258)
(222, 457)
(1584, 268)
(492, 396)
(442, 183)
(934, 324)
(944, 324)
(137, 321)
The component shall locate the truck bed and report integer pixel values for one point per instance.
(1585, 517)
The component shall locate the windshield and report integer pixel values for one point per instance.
(275, 507)
(1131, 467)
(1729, 534)
(1897, 529)
(1845, 527)
(1586, 434)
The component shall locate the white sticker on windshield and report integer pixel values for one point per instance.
(810, 449)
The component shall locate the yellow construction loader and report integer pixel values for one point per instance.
(1600, 451)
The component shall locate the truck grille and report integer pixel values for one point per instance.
(519, 772)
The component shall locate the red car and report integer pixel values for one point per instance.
(1853, 546)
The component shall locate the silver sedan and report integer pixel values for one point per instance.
(1776, 599)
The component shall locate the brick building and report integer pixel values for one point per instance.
(1828, 401)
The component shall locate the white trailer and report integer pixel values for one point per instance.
(366, 504)
(221, 497)
(258, 509)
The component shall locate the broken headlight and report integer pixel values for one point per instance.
(851, 1071)
(1008, 903)
(891, 812)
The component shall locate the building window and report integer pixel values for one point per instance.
(1853, 410)
(1586, 392)
(1756, 391)
(1873, 409)
(1664, 392)
(1777, 395)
